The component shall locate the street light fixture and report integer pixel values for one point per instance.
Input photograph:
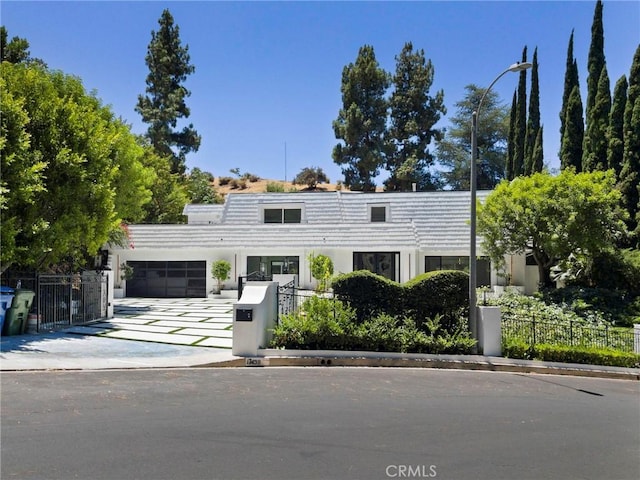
(516, 67)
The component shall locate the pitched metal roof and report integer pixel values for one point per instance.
(426, 220)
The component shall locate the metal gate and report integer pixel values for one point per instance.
(65, 300)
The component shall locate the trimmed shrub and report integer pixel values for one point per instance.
(368, 294)
(592, 356)
(444, 292)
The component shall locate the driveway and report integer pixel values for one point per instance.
(201, 322)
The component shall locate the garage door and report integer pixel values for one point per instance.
(168, 279)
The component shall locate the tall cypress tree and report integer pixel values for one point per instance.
(164, 102)
(630, 172)
(615, 146)
(512, 137)
(521, 122)
(538, 153)
(594, 155)
(570, 81)
(533, 123)
(571, 144)
(595, 65)
(595, 60)
(362, 120)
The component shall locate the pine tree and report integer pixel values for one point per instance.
(571, 145)
(164, 102)
(521, 122)
(615, 146)
(594, 155)
(361, 122)
(413, 116)
(533, 123)
(570, 81)
(512, 137)
(633, 90)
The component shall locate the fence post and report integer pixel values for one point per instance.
(533, 326)
(636, 338)
(571, 332)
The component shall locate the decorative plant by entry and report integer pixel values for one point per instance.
(220, 270)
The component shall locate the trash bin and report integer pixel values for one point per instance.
(6, 299)
(15, 321)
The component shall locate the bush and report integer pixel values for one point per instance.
(275, 187)
(443, 292)
(592, 356)
(368, 294)
(224, 180)
(321, 323)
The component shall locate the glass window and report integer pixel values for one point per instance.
(378, 214)
(292, 215)
(386, 264)
(272, 215)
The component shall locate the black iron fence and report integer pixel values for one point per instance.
(63, 300)
(573, 334)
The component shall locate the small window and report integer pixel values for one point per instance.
(292, 215)
(282, 215)
(378, 214)
(272, 215)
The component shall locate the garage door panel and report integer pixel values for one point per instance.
(172, 279)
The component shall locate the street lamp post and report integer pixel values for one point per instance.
(516, 67)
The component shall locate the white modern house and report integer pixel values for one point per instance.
(397, 235)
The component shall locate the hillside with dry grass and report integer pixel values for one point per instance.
(254, 184)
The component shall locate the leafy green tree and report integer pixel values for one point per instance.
(532, 164)
(454, 150)
(414, 114)
(168, 192)
(594, 155)
(311, 177)
(573, 135)
(199, 187)
(520, 135)
(551, 217)
(615, 130)
(570, 81)
(71, 172)
(361, 122)
(164, 102)
(321, 269)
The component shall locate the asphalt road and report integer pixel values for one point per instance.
(317, 423)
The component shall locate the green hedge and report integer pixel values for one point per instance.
(444, 293)
(368, 294)
(514, 348)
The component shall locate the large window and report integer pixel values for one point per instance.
(282, 215)
(259, 268)
(386, 264)
(483, 265)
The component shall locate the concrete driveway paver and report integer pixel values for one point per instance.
(199, 321)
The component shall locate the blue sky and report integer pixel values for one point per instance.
(268, 73)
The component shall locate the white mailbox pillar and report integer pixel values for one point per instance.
(489, 331)
(254, 316)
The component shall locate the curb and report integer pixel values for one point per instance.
(493, 365)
